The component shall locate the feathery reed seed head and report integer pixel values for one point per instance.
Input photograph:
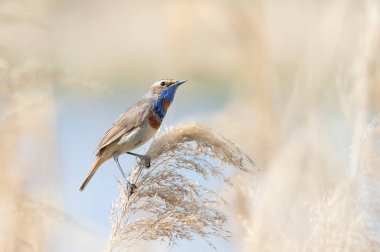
(173, 204)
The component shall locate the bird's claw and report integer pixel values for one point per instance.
(131, 187)
(145, 161)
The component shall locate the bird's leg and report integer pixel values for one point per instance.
(131, 186)
(145, 159)
(116, 158)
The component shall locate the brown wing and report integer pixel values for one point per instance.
(129, 120)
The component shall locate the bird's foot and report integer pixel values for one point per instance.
(131, 187)
(145, 161)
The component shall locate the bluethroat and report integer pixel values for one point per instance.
(135, 126)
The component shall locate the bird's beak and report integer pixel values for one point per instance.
(180, 82)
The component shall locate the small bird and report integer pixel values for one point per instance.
(135, 126)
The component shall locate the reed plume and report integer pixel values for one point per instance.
(173, 199)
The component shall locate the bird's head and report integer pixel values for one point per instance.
(165, 86)
(163, 92)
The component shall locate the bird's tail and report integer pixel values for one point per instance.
(94, 168)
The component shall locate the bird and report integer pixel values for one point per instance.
(135, 126)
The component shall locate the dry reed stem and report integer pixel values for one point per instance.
(171, 201)
(27, 129)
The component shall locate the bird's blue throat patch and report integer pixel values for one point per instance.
(161, 104)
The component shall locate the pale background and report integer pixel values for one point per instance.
(294, 83)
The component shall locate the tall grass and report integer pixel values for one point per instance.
(172, 195)
(316, 193)
(304, 92)
(27, 123)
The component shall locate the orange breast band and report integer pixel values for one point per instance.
(166, 105)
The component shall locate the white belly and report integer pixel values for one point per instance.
(137, 137)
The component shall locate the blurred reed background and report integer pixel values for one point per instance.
(295, 83)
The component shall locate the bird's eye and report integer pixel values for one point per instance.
(162, 83)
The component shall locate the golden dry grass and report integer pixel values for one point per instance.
(304, 91)
(172, 195)
(27, 119)
(318, 186)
